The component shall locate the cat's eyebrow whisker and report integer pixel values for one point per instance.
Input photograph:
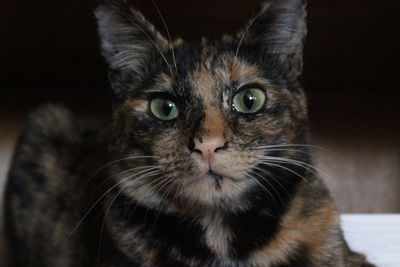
(168, 34)
(248, 28)
(143, 31)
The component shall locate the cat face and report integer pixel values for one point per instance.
(203, 114)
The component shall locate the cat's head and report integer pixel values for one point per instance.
(205, 115)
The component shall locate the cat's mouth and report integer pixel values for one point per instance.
(218, 178)
(215, 176)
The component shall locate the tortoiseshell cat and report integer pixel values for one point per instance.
(206, 161)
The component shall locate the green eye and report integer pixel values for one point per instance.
(249, 101)
(164, 109)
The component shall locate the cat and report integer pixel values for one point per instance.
(206, 160)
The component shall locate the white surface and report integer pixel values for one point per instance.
(376, 235)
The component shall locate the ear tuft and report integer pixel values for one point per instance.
(127, 38)
(279, 27)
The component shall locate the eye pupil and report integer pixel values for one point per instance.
(167, 107)
(248, 99)
(164, 109)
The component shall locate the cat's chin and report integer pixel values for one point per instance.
(218, 178)
(212, 188)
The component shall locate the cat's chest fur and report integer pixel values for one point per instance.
(249, 238)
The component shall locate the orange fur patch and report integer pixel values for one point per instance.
(297, 230)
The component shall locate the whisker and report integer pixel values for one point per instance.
(287, 169)
(167, 30)
(142, 30)
(109, 206)
(153, 170)
(104, 222)
(140, 185)
(119, 160)
(270, 195)
(287, 150)
(114, 198)
(164, 197)
(292, 145)
(248, 28)
(95, 204)
(313, 169)
(147, 167)
(139, 182)
(293, 162)
(275, 179)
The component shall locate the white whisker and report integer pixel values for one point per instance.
(287, 150)
(97, 202)
(266, 189)
(122, 159)
(248, 28)
(167, 30)
(285, 168)
(144, 32)
(273, 177)
(313, 169)
(292, 145)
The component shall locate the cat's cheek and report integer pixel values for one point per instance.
(232, 165)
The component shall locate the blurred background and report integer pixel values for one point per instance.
(49, 53)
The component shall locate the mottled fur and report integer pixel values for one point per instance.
(137, 193)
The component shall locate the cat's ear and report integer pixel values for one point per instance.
(127, 38)
(279, 29)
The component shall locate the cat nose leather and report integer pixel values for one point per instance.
(208, 146)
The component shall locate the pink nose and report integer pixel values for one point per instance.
(208, 146)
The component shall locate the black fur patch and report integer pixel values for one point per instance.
(163, 231)
(255, 228)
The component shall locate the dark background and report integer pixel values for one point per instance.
(49, 48)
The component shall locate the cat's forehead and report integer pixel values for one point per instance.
(205, 72)
(214, 70)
